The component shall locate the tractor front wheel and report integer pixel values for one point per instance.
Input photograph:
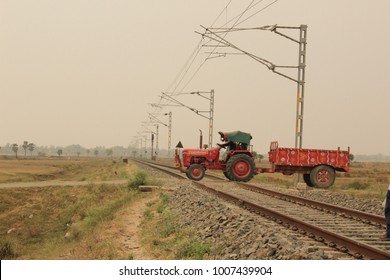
(240, 167)
(195, 172)
(322, 176)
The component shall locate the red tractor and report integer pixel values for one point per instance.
(236, 162)
(318, 166)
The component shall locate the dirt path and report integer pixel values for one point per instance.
(126, 227)
(129, 235)
(58, 183)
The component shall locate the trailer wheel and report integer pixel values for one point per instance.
(240, 167)
(306, 178)
(322, 176)
(195, 172)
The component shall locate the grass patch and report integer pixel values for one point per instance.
(66, 224)
(193, 250)
(358, 185)
(6, 250)
(99, 214)
(140, 178)
(166, 238)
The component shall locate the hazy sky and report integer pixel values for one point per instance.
(85, 72)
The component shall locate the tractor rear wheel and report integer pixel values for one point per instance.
(195, 172)
(322, 176)
(226, 175)
(240, 167)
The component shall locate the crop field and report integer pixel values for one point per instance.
(60, 168)
(64, 222)
(94, 220)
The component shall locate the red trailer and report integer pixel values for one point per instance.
(317, 166)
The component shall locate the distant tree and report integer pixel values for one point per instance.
(78, 154)
(257, 156)
(96, 152)
(25, 146)
(88, 152)
(260, 156)
(109, 152)
(31, 147)
(351, 157)
(59, 152)
(15, 149)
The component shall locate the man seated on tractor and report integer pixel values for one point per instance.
(232, 145)
(229, 144)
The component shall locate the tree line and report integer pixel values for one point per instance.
(26, 146)
(31, 149)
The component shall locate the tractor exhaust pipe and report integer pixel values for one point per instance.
(200, 139)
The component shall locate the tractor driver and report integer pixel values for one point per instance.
(228, 143)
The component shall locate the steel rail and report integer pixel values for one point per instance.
(364, 216)
(173, 174)
(342, 243)
(175, 168)
(359, 215)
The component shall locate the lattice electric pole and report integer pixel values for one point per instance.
(211, 118)
(157, 151)
(301, 86)
(169, 132)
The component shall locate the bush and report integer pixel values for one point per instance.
(193, 249)
(6, 251)
(138, 180)
(358, 185)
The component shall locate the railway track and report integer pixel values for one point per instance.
(349, 231)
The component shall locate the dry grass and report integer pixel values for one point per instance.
(164, 238)
(61, 168)
(66, 222)
(60, 222)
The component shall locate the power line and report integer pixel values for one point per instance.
(185, 70)
(269, 5)
(201, 65)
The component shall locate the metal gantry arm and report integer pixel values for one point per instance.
(210, 115)
(180, 104)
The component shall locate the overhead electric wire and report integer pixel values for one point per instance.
(258, 12)
(178, 80)
(201, 65)
(187, 66)
(197, 50)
